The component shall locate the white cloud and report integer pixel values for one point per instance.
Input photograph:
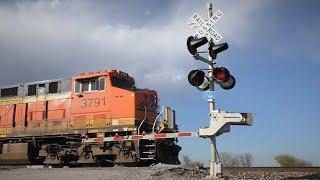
(67, 37)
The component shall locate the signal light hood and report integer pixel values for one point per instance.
(229, 84)
(216, 49)
(193, 43)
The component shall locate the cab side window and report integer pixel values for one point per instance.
(32, 90)
(9, 92)
(85, 86)
(53, 87)
(89, 85)
(101, 83)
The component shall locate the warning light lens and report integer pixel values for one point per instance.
(196, 77)
(221, 74)
(199, 79)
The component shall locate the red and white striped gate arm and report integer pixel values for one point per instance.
(141, 137)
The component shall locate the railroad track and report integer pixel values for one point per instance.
(274, 169)
(245, 173)
(255, 173)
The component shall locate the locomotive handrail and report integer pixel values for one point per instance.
(154, 123)
(145, 117)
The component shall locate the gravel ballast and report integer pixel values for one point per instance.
(154, 173)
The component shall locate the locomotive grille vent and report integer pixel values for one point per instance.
(99, 121)
(80, 122)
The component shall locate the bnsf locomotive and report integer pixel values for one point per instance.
(45, 122)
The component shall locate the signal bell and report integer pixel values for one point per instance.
(193, 43)
(199, 79)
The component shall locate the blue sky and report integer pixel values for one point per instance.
(273, 53)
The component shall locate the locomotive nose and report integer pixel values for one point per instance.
(151, 100)
(146, 104)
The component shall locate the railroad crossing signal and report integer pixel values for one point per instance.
(220, 121)
(221, 75)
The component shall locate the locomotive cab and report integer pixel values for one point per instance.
(112, 96)
(126, 110)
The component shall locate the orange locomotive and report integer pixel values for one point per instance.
(44, 122)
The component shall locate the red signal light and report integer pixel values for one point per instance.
(223, 78)
(221, 74)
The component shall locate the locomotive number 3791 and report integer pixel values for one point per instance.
(93, 102)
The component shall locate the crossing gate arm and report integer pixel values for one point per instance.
(140, 137)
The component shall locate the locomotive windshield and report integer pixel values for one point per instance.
(122, 83)
(91, 84)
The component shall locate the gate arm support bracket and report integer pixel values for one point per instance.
(221, 121)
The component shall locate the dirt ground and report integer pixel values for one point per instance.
(138, 173)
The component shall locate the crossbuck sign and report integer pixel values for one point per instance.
(206, 26)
